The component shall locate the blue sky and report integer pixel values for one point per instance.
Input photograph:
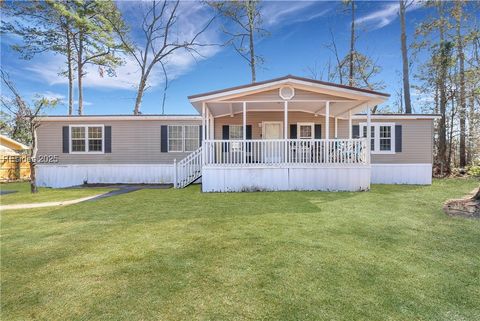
(298, 31)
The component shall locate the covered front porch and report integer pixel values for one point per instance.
(286, 134)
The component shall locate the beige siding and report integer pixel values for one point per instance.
(417, 134)
(256, 118)
(417, 141)
(138, 141)
(133, 142)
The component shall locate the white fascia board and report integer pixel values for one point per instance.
(111, 118)
(396, 116)
(288, 81)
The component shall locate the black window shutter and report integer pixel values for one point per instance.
(108, 139)
(398, 138)
(225, 132)
(318, 131)
(248, 135)
(66, 139)
(164, 138)
(248, 132)
(355, 131)
(293, 131)
(200, 137)
(225, 135)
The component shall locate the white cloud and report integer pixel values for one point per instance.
(51, 95)
(85, 103)
(275, 12)
(49, 70)
(191, 18)
(384, 16)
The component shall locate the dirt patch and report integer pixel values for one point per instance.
(469, 206)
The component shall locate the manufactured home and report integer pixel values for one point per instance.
(289, 133)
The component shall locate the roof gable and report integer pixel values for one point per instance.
(297, 82)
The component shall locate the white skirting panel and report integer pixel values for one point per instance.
(72, 175)
(420, 174)
(273, 178)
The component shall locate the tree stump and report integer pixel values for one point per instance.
(469, 206)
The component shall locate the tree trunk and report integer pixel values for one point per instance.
(352, 46)
(406, 79)
(33, 155)
(444, 54)
(472, 123)
(450, 136)
(140, 91)
(70, 73)
(442, 126)
(251, 26)
(462, 105)
(79, 73)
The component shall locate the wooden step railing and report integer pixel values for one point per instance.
(188, 170)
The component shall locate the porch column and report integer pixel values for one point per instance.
(285, 130)
(369, 133)
(327, 120)
(336, 127)
(203, 121)
(244, 131)
(204, 109)
(327, 132)
(207, 124)
(212, 126)
(349, 124)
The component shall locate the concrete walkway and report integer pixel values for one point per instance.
(47, 204)
(121, 189)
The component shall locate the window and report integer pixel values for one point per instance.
(95, 139)
(372, 143)
(235, 132)
(78, 139)
(86, 139)
(192, 134)
(305, 130)
(183, 138)
(383, 137)
(175, 138)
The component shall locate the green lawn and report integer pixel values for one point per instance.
(23, 195)
(387, 254)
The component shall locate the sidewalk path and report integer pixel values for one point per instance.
(121, 189)
(47, 204)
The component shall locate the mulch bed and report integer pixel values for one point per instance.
(469, 206)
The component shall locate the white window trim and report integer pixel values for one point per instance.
(86, 139)
(183, 139)
(312, 125)
(376, 137)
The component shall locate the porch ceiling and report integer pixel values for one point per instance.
(337, 109)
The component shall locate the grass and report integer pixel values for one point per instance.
(387, 254)
(23, 195)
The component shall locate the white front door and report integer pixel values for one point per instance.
(273, 130)
(272, 151)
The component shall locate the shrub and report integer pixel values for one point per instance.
(474, 171)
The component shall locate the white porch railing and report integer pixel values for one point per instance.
(188, 169)
(289, 151)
